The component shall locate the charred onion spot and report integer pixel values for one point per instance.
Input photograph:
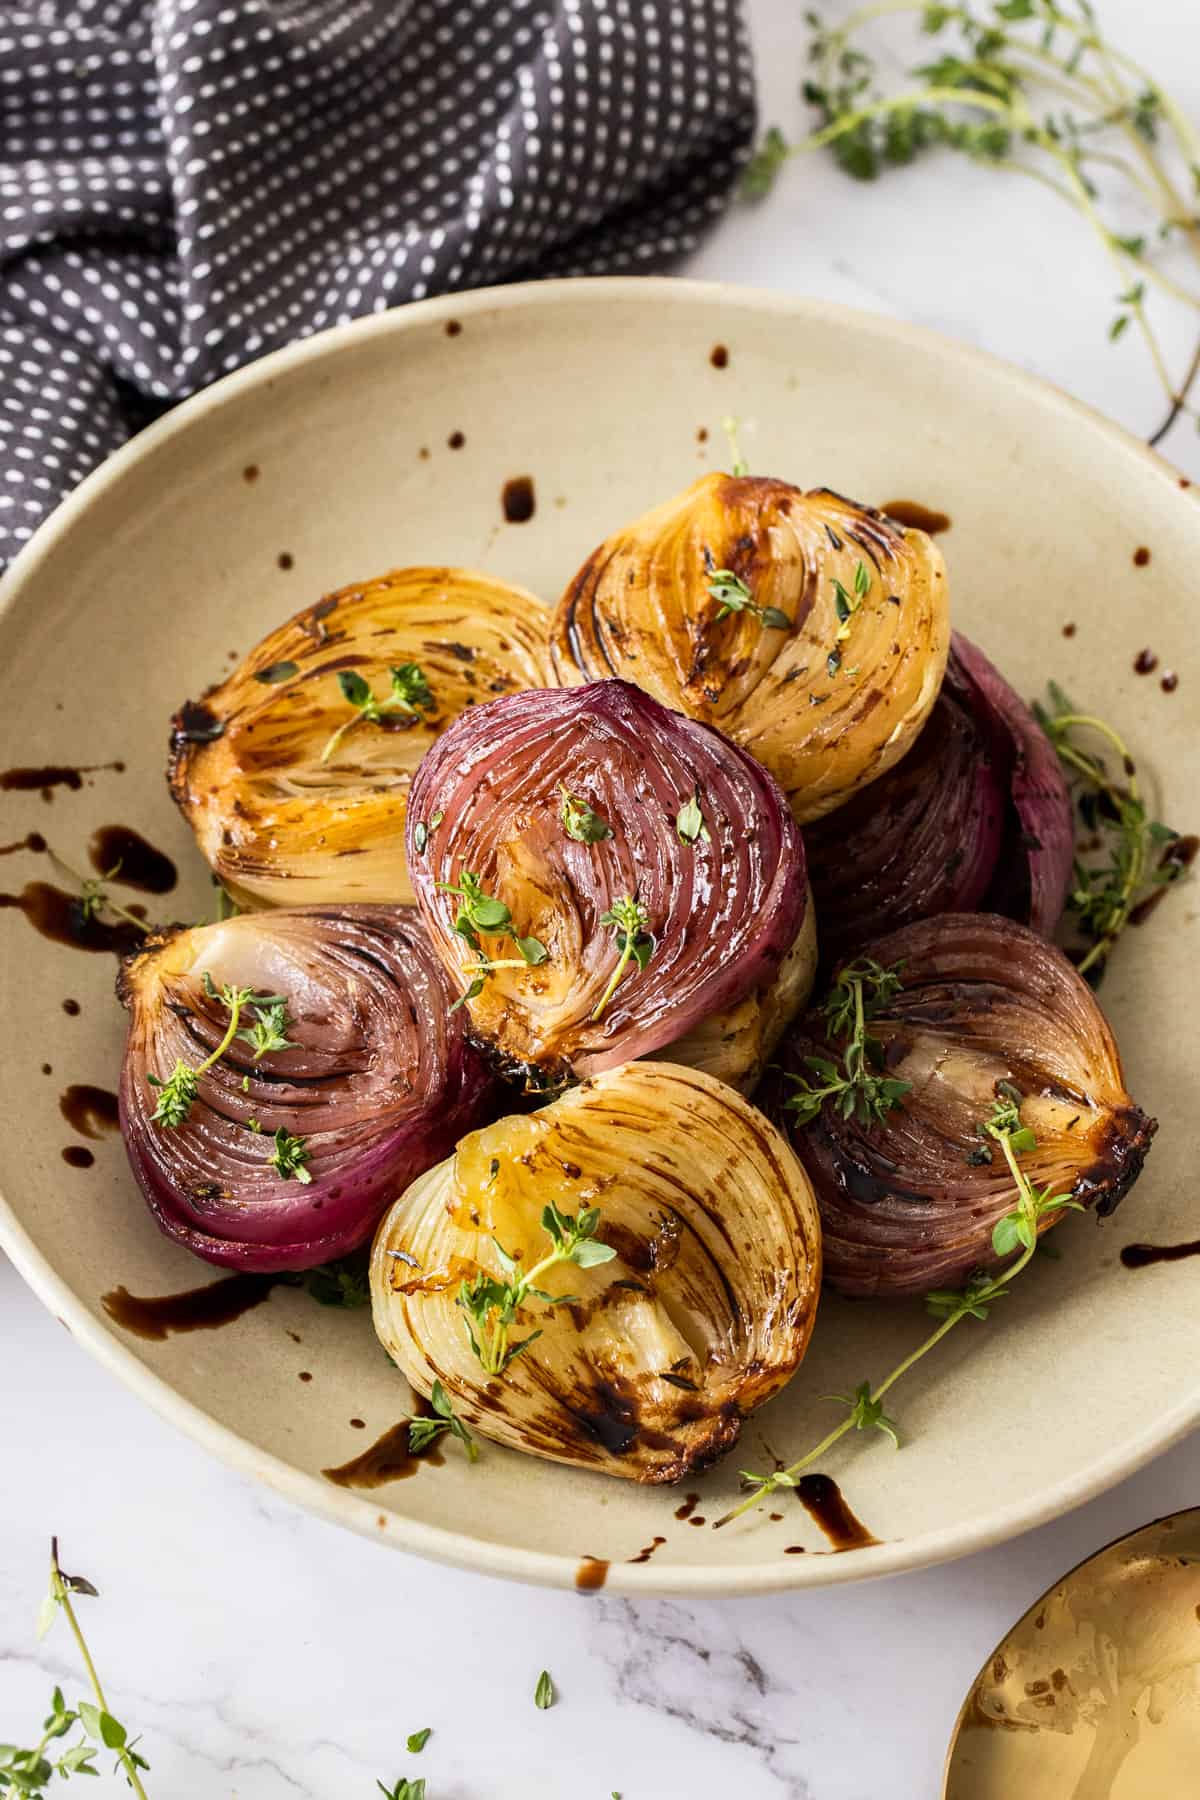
(194, 723)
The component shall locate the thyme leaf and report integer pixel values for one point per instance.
(409, 695)
(580, 821)
(733, 596)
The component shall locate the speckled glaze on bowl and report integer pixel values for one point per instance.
(341, 457)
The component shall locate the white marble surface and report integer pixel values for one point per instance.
(266, 1655)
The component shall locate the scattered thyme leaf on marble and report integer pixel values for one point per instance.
(1030, 87)
(543, 1694)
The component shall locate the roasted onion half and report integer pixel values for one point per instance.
(703, 1312)
(286, 1157)
(908, 1203)
(976, 815)
(294, 791)
(811, 630)
(537, 823)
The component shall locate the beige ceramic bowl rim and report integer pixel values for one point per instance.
(309, 1490)
(1085, 1562)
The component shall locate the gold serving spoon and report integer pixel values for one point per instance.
(1095, 1693)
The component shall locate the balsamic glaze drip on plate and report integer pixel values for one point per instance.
(195, 1309)
(135, 863)
(921, 518)
(91, 1111)
(822, 1500)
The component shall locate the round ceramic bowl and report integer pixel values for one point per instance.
(399, 440)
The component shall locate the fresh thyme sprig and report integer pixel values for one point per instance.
(867, 1414)
(178, 1092)
(481, 912)
(30, 1772)
(847, 603)
(424, 1429)
(1018, 1228)
(93, 894)
(856, 1088)
(345, 1282)
(290, 1156)
(579, 820)
(226, 908)
(733, 596)
(269, 1030)
(1031, 88)
(410, 696)
(1140, 860)
(491, 1305)
(629, 919)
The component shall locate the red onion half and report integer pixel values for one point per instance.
(908, 1202)
(723, 902)
(976, 815)
(378, 1084)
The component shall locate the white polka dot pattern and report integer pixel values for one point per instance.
(185, 185)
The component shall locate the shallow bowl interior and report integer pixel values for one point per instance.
(392, 442)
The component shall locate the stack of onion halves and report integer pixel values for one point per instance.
(530, 925)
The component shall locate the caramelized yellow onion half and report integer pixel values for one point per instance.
(825, 713)
(279, 825)
(703, 1313)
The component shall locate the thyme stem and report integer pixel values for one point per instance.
(1003, 1127)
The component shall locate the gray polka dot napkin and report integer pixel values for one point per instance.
(186, 185)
